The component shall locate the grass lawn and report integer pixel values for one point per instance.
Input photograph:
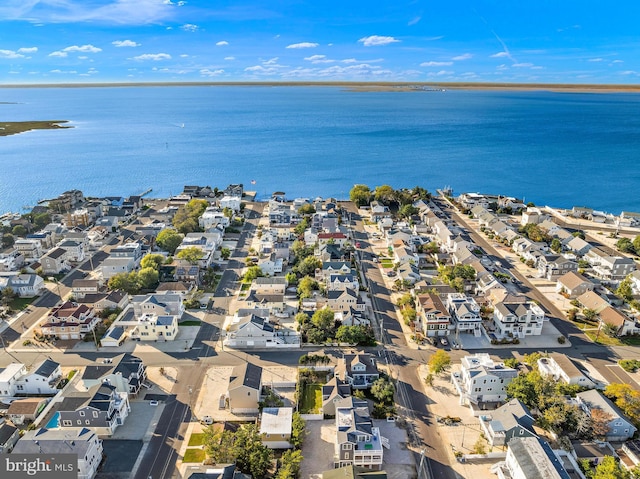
(194, 455)
(190, 323)
(311, 400)
(18, 304)
(245, 287)
(631, 341)
(386, 263)
(603, 339)
(196, 439)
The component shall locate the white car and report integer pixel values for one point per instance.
(208, 420)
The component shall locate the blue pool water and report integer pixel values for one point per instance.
(54, 422)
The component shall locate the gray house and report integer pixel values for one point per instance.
(359, 370)
(8, 437)
(511, 420)
(333, 391)
(101, 408)
(125, 372)
(620, 427)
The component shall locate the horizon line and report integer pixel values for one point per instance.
(365, 84)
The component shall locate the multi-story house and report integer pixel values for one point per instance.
(610, 268)
(465, 313)
(41, 379)
(574, 284)
(344, 300)
(55, 261)
(213, 217)
(30, 249)
(125, 372)
(158, 303)
(620, 427)
(245, 388)
(433, 317)
(359, 370)
(11, 261)
(24, 285)
(79, 441)
(9, 376)
(100, 408)
(276, 426)
(74, 249)
(553, 266)
(70, 321)
(561, 368)
(513, 419)
(481, 380)
(341, 282)
(122, 259)
(517, 320)
(358, 441)
(531, 458)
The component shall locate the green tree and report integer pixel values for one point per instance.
(292, 278)
(385, 194)
(624, 290)
(409, 315)
(383, 390)
(252, 273)
(609, 468)
(41, 220)
(625, 245)
(405, 300)
(306, 209)
(626, 398)
(152, 261)
(298, 430)
(323, 318)
(636, 243)
(169, 239)
(147, 278)
(300, 250)
(578, 234)
(218, 445)
(8, 240)
(227, 212)
(439, 362)
(306, 286)
(225, 253)
(360, 195)
(308, 266)
(511, 363)
(523, 389)
(406, 211)
(251, 456)
(19, 230)
(556, 245)
(127, 282)
(192, 254)
(289, 464)
(589, 314)
(7, 295)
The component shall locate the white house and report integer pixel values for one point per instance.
(530, 458)
(9, 376)
(231, 202)
(481, 380)
(561, 368)
(82, 442)
(465, 313)
(42, 379)
(517, 320)
(24, 285)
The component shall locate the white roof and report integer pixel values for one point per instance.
(276, 420)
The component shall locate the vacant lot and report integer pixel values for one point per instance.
(311, 399)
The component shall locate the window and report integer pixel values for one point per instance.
(79, 422)
(95, 413)
(346, 455)
(82, 413)
(87, 422)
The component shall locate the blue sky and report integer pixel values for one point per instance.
(566, 41)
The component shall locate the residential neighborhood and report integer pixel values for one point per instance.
(399, 334)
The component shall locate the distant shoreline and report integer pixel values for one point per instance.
(364, 86)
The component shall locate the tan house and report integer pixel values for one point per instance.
(573, 284)
(275, 427)
(344, 300)
(433, 317)
(26, 410)
(70, 321)
(245, 386)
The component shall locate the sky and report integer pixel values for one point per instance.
(540, 41)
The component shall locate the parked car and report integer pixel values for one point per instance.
(153, 403)
(207, 420)
(391, 274)
(444, 342)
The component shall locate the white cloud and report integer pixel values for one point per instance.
(523, 65)
(222, 43)
(319, 59)
(125, 43)
(614, 61)
(629, 72)
(184, 55)
(502, 67)
(271, 61)
(500, 55)
(28, 50)
(436, 64)
(464, 56)
(153, 56)
(83, 57)
(414, 20)
(377, 40)
(302, 45)
(595, 60)
(10, 54)
(211, 73)
(120, 12)
(189, 27)
(58, 54)
(229, 58)
(82, 48)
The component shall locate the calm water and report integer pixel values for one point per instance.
(559, 149)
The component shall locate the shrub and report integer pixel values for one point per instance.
(562, 339)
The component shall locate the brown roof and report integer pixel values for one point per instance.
(593, 301)
(572, 280)
(611, 315)
(27, 406)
